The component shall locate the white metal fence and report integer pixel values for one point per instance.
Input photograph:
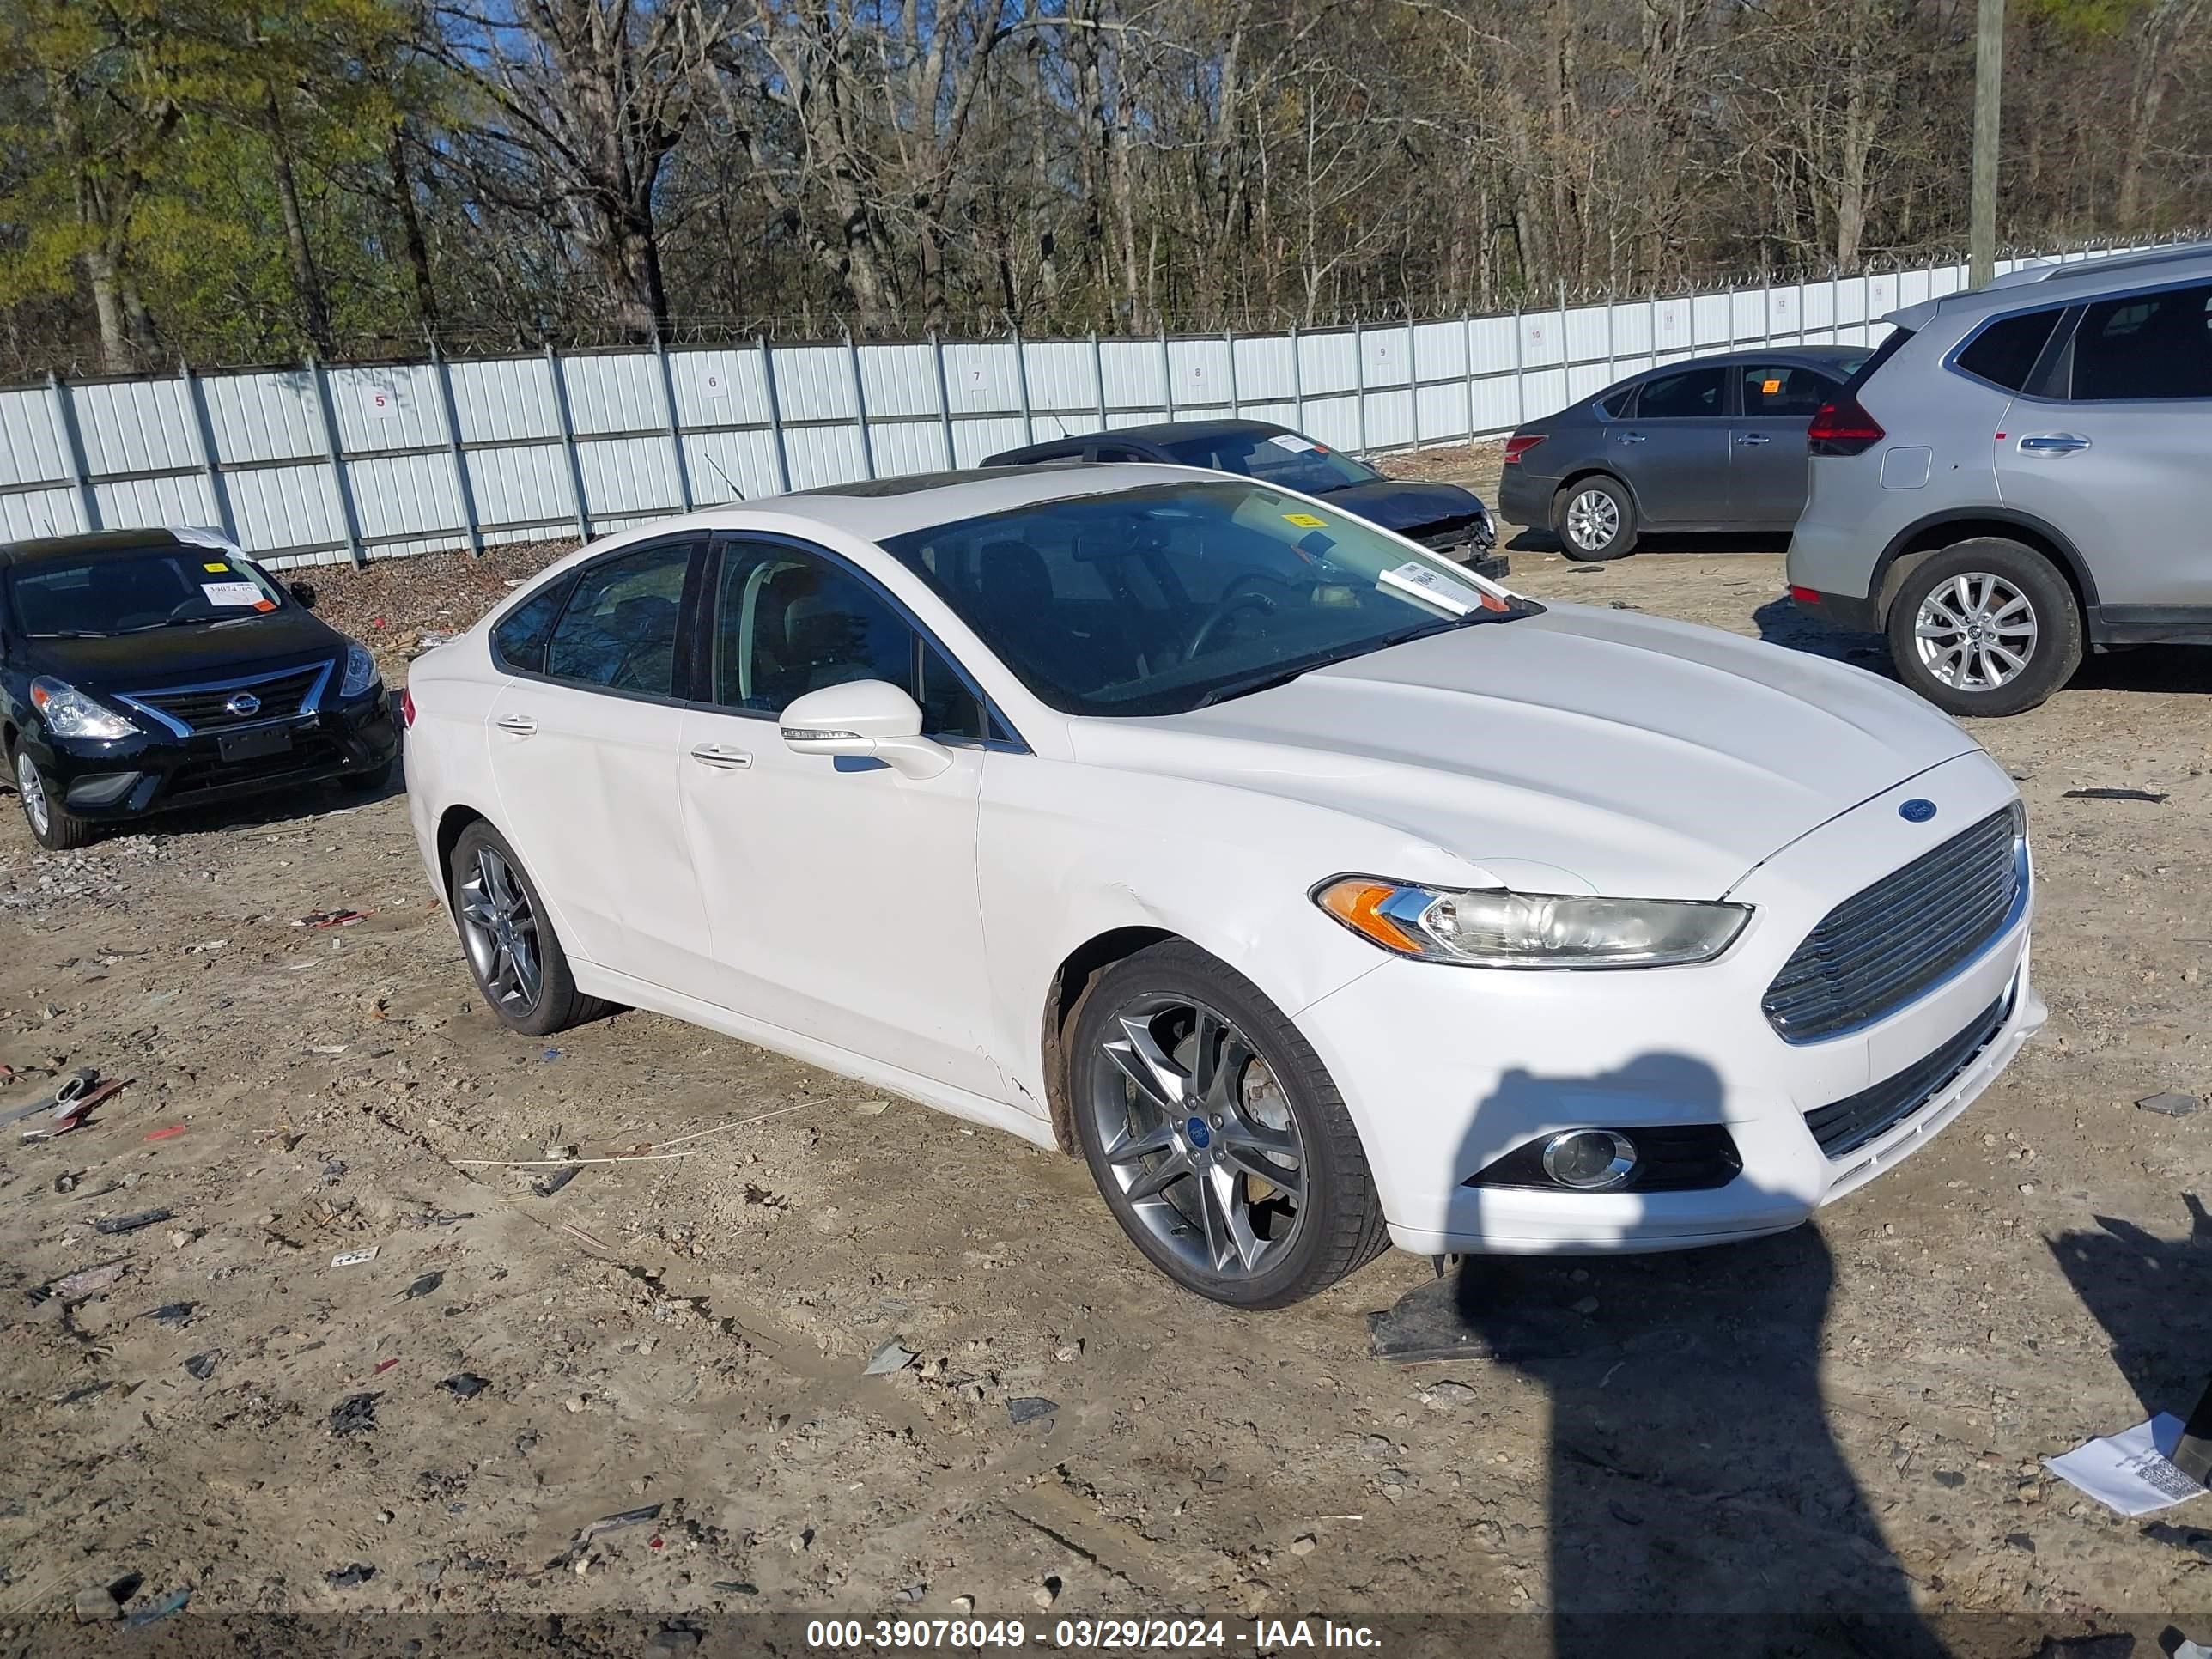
(320, 465)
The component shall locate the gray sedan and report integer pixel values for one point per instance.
(1710, 443)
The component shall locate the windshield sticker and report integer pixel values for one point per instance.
(1768, 388)
(244, 593)
(216, 567)
(1305, 520)
(1291, 441)
(1426, 582)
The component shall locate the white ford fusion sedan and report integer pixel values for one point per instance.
(1315, 892)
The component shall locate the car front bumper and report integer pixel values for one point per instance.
(1446, 1070)
(128, 778)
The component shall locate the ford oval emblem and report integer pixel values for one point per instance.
(245, 703)
(1916, 811)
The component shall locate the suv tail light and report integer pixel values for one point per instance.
(1519, 445)
(1844, 428)
(407, 709)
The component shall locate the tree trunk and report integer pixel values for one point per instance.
(306, 282)
(410, 227)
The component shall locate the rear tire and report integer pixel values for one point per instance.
(51, 827)
(1985, 627)
(513, 952)
(1189, 1090)
(1595, 517)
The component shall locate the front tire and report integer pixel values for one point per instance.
(1987, 627)
(513, 952)
(1595, 517)
(52, 826)
(1215, 1135)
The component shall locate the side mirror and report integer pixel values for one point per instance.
(871, 720)
(303, 594)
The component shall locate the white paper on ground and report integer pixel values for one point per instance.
(2130, 1471)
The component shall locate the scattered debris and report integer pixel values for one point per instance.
(85, 1282)
(175, 1314)
(350, 1578)
(738, 1587)
(1047, 1592)
(423, 1287)
(893, 1355)
(1447, 1396)
(205, 947)
(384, 1365)
(332, 919)
(2115, 794)
(97, 1605)
(72, 1087)
(354, 1258)
(355, 1414)
(465, 1385)
(201, 1366)
(2171, 1105)
(1303, 1544)
(173, 1602)
(131, 1223)
(873, 1107)
(616, 1523)
(2194, 1539)
(2130, 1472)
(550, 1054)
(164, 1134)
(1027, 1408)
(546, 1185)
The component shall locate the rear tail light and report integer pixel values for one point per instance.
(407, 709)
(1519, 445)
(1805, 595)
(1844, 428)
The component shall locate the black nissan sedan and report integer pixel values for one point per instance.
(1442, 517)
(141, 670)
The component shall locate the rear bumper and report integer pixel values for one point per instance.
(1525, 498)
(1839, 610)
(106, 782)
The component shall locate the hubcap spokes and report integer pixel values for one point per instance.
(33, 788)
(501, 931)
(1199, 1136)
(1975, 632)
(1592, 519)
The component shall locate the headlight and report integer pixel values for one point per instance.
(69, 713)
(360, 670)
(1490, 927)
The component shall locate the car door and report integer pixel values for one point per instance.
(1673, 449)
(584, 755)
(1768, 460)
(2113, 453)
(841, 896)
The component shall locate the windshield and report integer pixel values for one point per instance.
(1157, 600)
(1279, 458)
(128, 592)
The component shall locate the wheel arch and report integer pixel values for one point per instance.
(453, 822)
(1938, 530)
(1077, 970)
(1584, 474)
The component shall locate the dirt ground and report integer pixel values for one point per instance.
(1848, 1419)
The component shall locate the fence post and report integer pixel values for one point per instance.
(860, 404)
(668, 411)
(943, 402)
(1519, 380)
(334, 452)
(1611, 355)
(1414, 373)
(1359, 381)
(450, 414)
(203, 437)
(568, 439)
(1022, 384)
(1651, 327)
(1236, 402)
(775, 410)
(88, 505)
(1098, 376)
(1167, 371)
(1467, 348)
(1298, 382)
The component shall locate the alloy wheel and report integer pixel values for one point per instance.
(1199, 1135)
(31, 784)
(500, 929)
(1975, 632)
(1593, 520)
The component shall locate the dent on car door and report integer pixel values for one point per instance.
(1769, 463)
(840, 893)
(584, 755)
(1673, 447)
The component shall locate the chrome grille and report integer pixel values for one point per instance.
(1842, 1127)
(1883, 946)
(275, 696)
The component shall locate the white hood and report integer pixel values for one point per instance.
(1616, 753)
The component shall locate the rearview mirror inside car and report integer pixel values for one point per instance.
(871, 719)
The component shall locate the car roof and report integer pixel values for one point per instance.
(2057, 284)
(1158, 432)
(39, 549)
(1827, 357)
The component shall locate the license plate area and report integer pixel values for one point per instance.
(254, 745)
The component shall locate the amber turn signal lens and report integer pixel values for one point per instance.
(1357, 904)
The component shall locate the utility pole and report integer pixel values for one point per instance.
(1989, 83)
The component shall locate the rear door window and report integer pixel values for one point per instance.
(1682, 396)
(2145, 346)
(518, 642)
(2006, 351)
(1783, 389)
(619, 631)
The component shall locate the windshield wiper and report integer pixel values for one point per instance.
(70, 634)
(1259, 683)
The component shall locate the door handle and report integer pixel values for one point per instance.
(2053, 443)
(726, 760)
(1628, 437)
(521, 726)
(1752, 438)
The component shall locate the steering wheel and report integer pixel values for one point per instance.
(1232, 601)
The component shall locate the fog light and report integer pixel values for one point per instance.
(1590, 1160)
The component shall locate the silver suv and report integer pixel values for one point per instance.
(2020, 471)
